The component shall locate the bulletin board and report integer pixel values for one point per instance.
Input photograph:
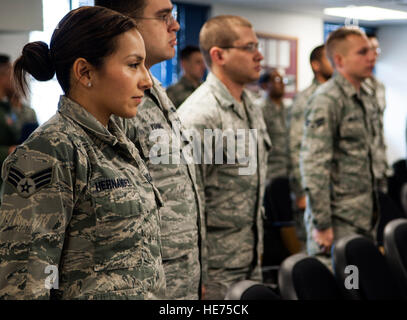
(281, 52)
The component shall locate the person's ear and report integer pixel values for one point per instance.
(217, 55)
(83, 72)
(338, 60)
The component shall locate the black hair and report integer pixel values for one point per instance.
(87, 32)
(187, 51)
(132, 8)
(316, 53)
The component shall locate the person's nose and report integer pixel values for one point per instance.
(174, 26)
(145, 81)
(258, 55)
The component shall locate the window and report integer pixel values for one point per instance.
(329, 27)
(191, 18)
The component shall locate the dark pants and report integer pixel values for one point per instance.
(388, 212)
(279, 213)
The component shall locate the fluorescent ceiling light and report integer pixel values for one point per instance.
(366, 13)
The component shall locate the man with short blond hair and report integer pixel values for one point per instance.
(214, 33)
(336, 155)
(232, 195)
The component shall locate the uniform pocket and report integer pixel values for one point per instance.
(119, 235)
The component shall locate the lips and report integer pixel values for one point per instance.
(138, 98)
(173, 42)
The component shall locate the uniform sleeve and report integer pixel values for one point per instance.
(171, 93)
(316, 159)
(38, 198)
(277, 164)
(195, 128)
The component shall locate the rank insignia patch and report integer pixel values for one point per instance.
(27, 186)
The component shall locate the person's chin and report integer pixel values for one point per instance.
(130, 112)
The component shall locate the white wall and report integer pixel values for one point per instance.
(308, 30)
(20, 15)
(392, 70)
(12, 43)
(17, 19)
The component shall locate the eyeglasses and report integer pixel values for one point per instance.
(377, 50)
(251, 47)
(280, 80)
(168, 18)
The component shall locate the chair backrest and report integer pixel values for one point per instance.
(395, 246)
(303, 277)
(371, 273)
(250, 290)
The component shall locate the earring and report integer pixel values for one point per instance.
(89, 84)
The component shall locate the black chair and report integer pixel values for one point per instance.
(395, 246)
(372, 278)
(250, 290)
(303, 277)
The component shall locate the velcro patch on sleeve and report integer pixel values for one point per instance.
(26, 186)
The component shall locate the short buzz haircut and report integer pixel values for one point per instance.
(219, 32)
(317, 53)
(337, 37)
(131, 8)
(188, 51)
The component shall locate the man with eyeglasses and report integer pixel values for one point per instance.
(232, 198)
(275, 117)
(336, 157)
(280, 238)
(176, 181)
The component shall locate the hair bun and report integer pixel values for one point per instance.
(37, 61)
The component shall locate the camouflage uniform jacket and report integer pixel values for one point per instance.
(78, 197)
(381, 167)
(296, 130)
(232, 202)
(275, 118)
(180, 218)
(336, 156)
(179, 91)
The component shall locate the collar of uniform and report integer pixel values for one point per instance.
(224, 97)
(187, 83)
(71, 109)
(346, 86)
(369, 85)
(158, 92)
(315, 82)
(272, 104)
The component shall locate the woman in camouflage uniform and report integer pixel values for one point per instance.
(80, 213)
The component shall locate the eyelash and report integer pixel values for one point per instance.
(134, 65)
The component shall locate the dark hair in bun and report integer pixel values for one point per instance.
(36, 61)
(87, 32)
